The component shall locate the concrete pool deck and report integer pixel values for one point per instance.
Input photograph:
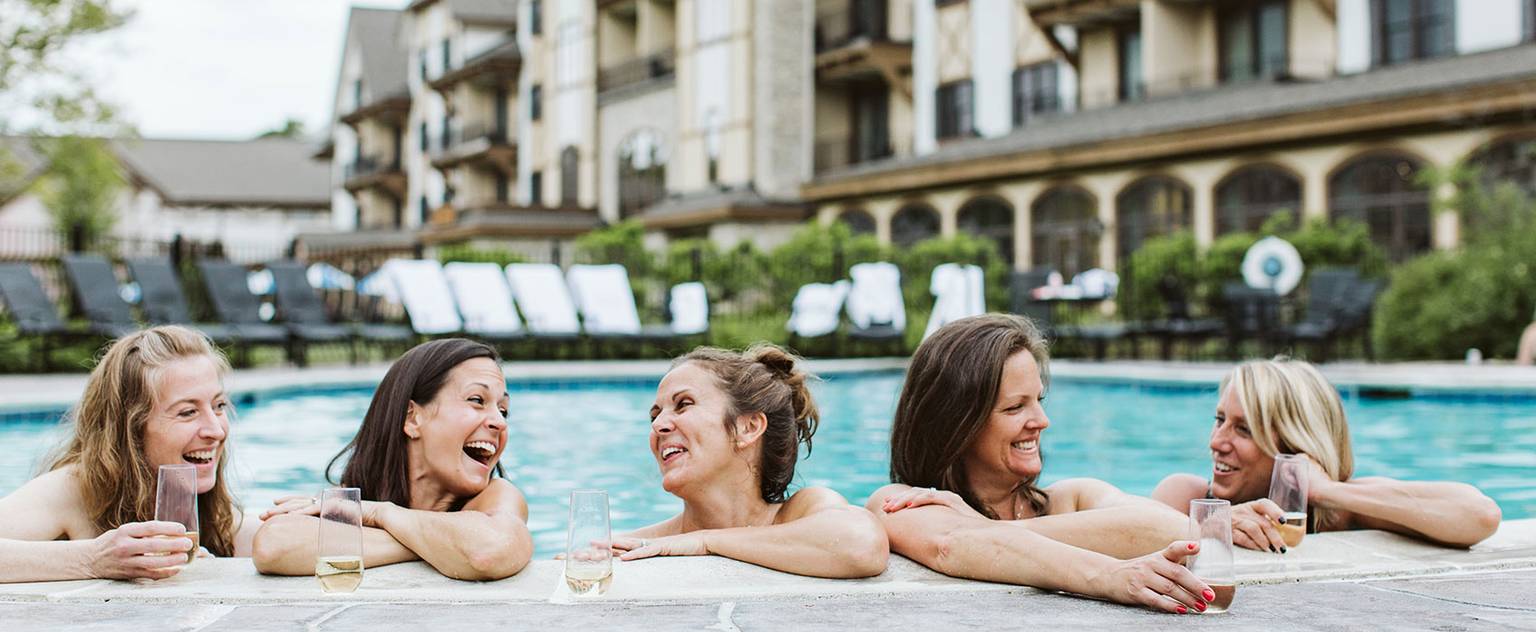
(1331, 581)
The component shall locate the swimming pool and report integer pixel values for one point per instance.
(592, 434)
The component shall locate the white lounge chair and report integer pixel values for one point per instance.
(958, 292)
(481, 293)
(540, 291)
(817, 309)
(875, 306)
(690, 309)
(606, 301)
(423, 290)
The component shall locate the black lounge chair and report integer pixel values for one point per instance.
(1328, 291)
(35, 316)
(301, 309)
(240, 311)
(163, 303)
(1178, 325)
(1251, 314)
(94, 286)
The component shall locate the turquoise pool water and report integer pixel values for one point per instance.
(567, 436)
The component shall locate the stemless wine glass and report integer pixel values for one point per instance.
(176, 500)
(339, 565)
(1210, 521)
(588, 545)
(1288, 488)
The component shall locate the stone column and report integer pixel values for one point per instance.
(1022, 196)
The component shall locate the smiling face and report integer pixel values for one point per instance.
(1239, 469)
(689, 439)
(188, 420)
(458, 437)
(1008, 448)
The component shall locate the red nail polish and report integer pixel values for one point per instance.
(1183, 610)
(1191, 546)
(1200, 606)
(1210, 596)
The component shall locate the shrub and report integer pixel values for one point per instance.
(816, 253)
(917, 264)
(465, 252)
(728, 276)
(622, 243)
(1167, 258)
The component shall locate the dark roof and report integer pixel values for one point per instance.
(385, 61)
(717, 204)
(1224, 105)
(265, 172)
(484, 11)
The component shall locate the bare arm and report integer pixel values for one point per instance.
(35, 517)
(288, 544)
(487, 540)
(1097, 516)
(1451, 514)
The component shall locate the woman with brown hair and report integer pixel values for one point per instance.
(965, 458)
(155, 398)
(726, 430)
(427, 459)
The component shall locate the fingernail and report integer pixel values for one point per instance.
(1200, 606)
(1209, 596)
(1191, 546)
(1183, 610)
(1283, 549)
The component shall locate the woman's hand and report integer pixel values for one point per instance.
(149, 550)
(309, 506)
(920, 496)
(640, 548)
(1158, 581)
(1318, 482)
(1255, 526)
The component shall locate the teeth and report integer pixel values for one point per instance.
(1026, 445)
(483, 446)
(669, 451)
(1222, 467)
(201, 455)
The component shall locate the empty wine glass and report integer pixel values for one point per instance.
(176, 500)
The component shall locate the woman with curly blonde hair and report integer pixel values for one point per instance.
(155, 398)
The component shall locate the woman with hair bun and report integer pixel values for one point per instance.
(726, 430)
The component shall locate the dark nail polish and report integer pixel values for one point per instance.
(1283, 549)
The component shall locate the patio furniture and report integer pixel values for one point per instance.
(875, 307)
(424, 292)
(240, 310)
(300, 307)
(35, 316)
(688, 309)
(1324, 321)
(959, 292)
(816, 311)
(93, 284)
(549, 313)
(162, 301)
(606, 302)
(1178, 324)
(484, 301)
(1251, 314)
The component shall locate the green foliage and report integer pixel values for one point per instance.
(817, 253)
(1222, 263)
(621, 243)
(728, 276)
(917, 264)
(81, 186)
(36, 75)
(471, 254)
(1170, 259)
(291, 128)
(1341, 243)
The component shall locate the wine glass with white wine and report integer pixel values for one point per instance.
(176, 500)
(588, 545)
(339, 565)
(1210, 522)
(1288, 488)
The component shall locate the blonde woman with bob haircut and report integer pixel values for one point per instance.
(155, 398)
(1285, 406)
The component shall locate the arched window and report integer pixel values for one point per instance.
(1248, 197)
(570, 160)
(858, 222)
(914, 223)
(1381, 190)
(1150, 207)
(642, 171)
(1510, 161)
(1065, 229)
(989, 218)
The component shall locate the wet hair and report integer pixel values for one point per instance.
(947, 400)
(765, 379)
(1292, 409)
(379, 465)
(106, 445)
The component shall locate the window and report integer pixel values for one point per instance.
(1249, 197)
(1508, 162)
(1132, 87)
(570, 176)
(447, 131)
(955, 110)
(536, 188)
(422, 134)
(1253, 40)
(858, 222)
(914, 223)
(871, 123)
(1065, 231)
(1152, 207)
(1035, 91)
(1405, 30)
(421, 63)
(357, 94)
(1382, 191)
(535, 102)
(991, 219)
(1529, 17)
(535, 17)
(501, 187)
(447, 55)
(421, 212)
(642, 172)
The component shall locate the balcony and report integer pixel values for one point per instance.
(835, 153)
(485, 145)
(492, 220)
(491, 69)
(391, 111)
(1080, 13)
(853, 45)
(375, 172)
(657, 66)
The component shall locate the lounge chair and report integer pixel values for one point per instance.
(545, 300)
(606, 302)
(94, 287)
(162, 302)
(1251, 314)
(300, 308)
(1178, 323)
(689, 309)
(484, 301)
(423, 290)
(29, 307)
(816, 311)
(240, 310)
(958, 291)
(1324, 321)
(875, 306)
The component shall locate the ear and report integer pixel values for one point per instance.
(412, 425)
(750, 428)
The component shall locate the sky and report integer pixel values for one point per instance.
(223, 69)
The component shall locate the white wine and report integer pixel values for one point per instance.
(1223, 600)
(192, 552)
(342, 573)
(589, 581)
(1293, 527)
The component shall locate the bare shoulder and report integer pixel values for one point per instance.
(1178, 489)
(878, 498)
(810, 500)
(498, 497)
(45, 508)
(1079, 494)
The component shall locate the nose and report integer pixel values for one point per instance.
(662, 424)
(213, 427)
(1038, 421)
(1220, 440)
(496, 421)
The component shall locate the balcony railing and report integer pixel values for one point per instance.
(655, 66)
(369, 166)
(496, 134)
(860, 19)
(833, 153)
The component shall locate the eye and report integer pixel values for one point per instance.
(187, 413)
(478, 400)
(683, 403)
(1243, 430)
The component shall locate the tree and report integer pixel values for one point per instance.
(80, 188)
(291, 128)
(36, 76)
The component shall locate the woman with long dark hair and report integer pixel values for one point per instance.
(427, 461)
(155, 398)
(726, 430)
(965, 461)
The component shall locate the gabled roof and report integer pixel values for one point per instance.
(386, 66)
(479, 11)
(272, 172)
